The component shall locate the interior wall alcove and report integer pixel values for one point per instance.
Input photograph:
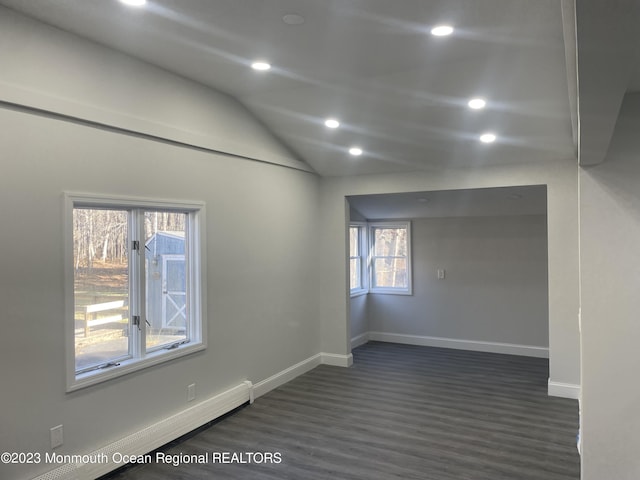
(491, 246)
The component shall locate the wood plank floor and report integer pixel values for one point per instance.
(401, 412)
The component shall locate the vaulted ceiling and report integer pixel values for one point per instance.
(399, 92)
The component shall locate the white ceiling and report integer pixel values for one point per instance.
(477, 202)
(400, 93)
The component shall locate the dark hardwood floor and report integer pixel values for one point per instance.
(401, 412)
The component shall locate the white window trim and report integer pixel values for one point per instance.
(364, 262)
(196, 277)
(388, 290)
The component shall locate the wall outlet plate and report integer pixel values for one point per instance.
(56, 436)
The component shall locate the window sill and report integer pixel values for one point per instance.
(358, 293)
(77, 382)
(390, 291)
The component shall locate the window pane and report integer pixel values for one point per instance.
(390, 272)
(354, 247)
(101, 286)
(355, 273)
(390, 241)
(166, 278)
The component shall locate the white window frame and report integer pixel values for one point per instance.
(363, 250)
(196, 278)
(408, 290)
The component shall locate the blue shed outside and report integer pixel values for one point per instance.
(166, 281)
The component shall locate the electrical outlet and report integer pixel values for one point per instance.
(441, 273)
(56, 436)
(191, 392)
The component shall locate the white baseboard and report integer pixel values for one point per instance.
(337, 360)
(359, 340)
(564, 390)
(475, 345)
(152, 437)
(286, 375)
(280, 378)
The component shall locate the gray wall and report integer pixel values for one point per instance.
(609, 282)
(562, 225)
(358, 315)
(262, 283)
(495, 286)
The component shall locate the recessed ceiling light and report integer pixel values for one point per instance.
(293, 19)
(134, 3)
(442, 30)
(487, 137)
(355, 151)
(477, 103)
(331, 123)
(261, 66)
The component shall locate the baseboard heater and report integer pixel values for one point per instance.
(168, 429)
(151, 437)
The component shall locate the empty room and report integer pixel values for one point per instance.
(301, 239)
